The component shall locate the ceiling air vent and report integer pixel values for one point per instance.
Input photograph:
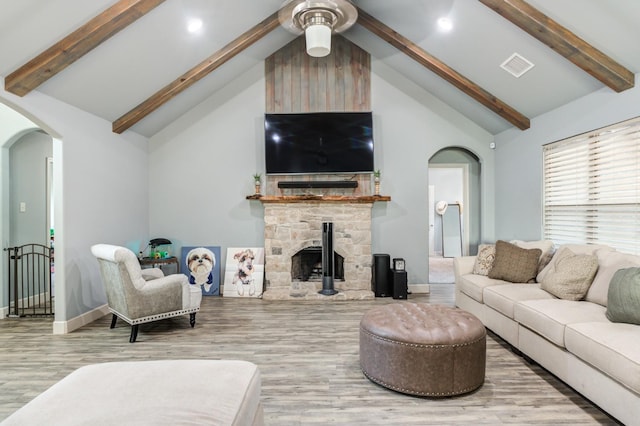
(516, 65)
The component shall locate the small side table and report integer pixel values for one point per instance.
(149, 262)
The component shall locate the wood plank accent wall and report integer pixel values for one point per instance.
(297, 82)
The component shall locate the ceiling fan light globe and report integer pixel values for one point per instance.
(318, 39)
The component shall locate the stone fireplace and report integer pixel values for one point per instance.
(293, 230)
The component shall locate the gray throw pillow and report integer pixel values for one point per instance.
(570, 275)
(623, 301)
(515, 264)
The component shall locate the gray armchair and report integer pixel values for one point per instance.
(138, 297)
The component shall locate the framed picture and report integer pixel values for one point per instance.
(244, 272)
(202, 266)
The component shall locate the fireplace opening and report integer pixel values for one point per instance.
(306, 265)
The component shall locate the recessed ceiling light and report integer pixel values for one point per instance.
(194, 25)
(445, 24)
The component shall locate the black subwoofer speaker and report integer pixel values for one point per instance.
(399, 284)
(381, 275)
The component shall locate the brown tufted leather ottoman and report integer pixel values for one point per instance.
(422, 349)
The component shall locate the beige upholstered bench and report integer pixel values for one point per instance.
(203, 392)
(422, 349)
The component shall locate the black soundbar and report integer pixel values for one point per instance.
(318, 184)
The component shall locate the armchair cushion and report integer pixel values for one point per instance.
(152, 273)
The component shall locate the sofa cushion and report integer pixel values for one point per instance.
(484, 259)
(596, 249)
(609, 262)
(613, 348)
(503, 298)
(544, 245)
(570, 275)
(624, 296)
(587, 248)
(473, 285)
(515, 264)
(549, 317)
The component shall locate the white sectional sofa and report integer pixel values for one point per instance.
(573, 339)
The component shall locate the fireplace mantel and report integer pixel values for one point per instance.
(311, 198)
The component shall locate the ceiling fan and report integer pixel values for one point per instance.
(318, 19)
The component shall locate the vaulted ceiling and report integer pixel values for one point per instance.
(134, 63)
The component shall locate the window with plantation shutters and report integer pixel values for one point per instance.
(592, 188)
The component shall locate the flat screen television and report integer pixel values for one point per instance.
(319, 142)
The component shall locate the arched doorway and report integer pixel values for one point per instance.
(27, 153)
(454, 210)
(31, 226)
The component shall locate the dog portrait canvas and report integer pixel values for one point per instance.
(201, 264)
(244, 272)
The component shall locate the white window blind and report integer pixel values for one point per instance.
(592, 188)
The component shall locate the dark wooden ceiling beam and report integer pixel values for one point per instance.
(565, 42)
(77, 44)
(418, 54)
(196, 73)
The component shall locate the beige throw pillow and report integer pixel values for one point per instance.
(596, 249)
(515, 264)
(570, 275)
(484, 259)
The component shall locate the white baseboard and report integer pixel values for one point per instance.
(64, 327)
(4, 312)
(419, 288)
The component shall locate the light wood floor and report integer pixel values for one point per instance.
(308, 356)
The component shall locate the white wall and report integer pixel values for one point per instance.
(201, 170)
(13, 125)
(101, 195)
(519, 156)
(201, 167)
